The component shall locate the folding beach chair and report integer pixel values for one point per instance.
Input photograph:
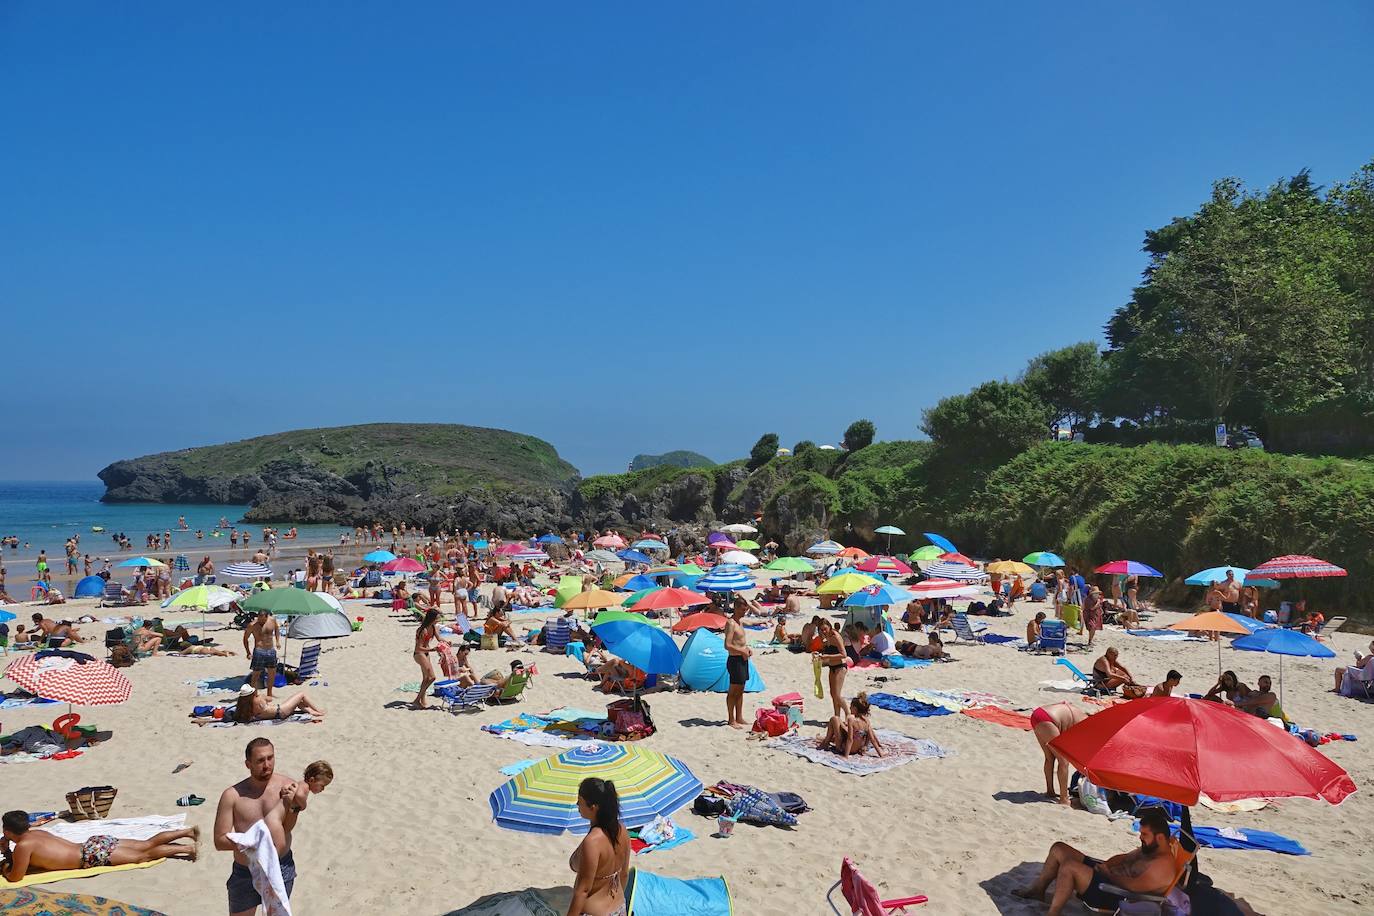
(514, 687)
(1327, 629)
(457, 699)
(309, 665)
(966, 630)
(115, 595)
(1174, 900)
(1054, 637)
(862, 896)
(1074, 668)
(557, 634)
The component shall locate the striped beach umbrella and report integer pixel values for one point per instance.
(70, 677)
(247, 571)
(888, 566)
(612, 540)
(601, 555)
(826, 548)
(960, 572)
(530, 556)
(1296, 566)
(649, 544)
(1130, 568)
(726, 578)
(379, 556)
(543, 798)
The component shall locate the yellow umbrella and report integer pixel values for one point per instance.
(845, 584)
(1010, 568)
(593, 600)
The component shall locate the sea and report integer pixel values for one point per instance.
(43, 514)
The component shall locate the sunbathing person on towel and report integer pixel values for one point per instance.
(28, 850)
(253, 707)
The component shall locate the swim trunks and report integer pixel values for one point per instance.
(737, 666)
(95, 852)
(264, 660)
(243, 896)
(1093, 896)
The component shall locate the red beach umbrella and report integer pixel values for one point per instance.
(698, 620)
(668, 598)
(1177, 749)
(70, 677)
(954, 557)
(1295, 566)
(887, 565)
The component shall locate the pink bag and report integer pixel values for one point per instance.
(771, 722)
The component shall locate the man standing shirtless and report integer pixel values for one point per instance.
(264, 796)
(266, 634)
(736, 665)
(1048, 722)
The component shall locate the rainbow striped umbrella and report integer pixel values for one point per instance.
(543, 798)
(886, 565)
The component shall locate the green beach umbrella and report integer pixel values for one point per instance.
(608, 616)
(289, 602)
(747, 544)
(691, 569)
(928, 552)
(791, 564)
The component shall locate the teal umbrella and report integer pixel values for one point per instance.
(1043, 558)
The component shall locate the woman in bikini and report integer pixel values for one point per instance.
(254, 707)
(602, 859)
(426, 644)
(1047, 722)
(853, 735)
(832, 658)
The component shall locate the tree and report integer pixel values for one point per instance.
(1068, 381)
(763, 451)
(989, 425)
(859, 434)
(802, 447)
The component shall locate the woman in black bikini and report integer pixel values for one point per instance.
(832, 658)
(602, 859)
(253, 707)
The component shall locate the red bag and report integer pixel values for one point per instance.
(770, 722)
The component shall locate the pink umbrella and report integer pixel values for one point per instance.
(510, 550)
(1295, 566)
(942, 588)
(612, 540)
(889, 565)
(403, 564)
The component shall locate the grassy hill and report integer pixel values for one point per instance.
(680, 459)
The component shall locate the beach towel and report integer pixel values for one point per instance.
(124, 828)
(48, 877)
(907, 707)
(256, 844)
(1166, 635)
(897, 750)
(207, 686)
(522, 903)
(21, 702)
(29, 902)
(300, 718)
(999, 716)
(518, 767)
(1231, 838)
(997, 639)
(657, 895)
(1069, 686)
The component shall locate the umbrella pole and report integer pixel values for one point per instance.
(1218, 655)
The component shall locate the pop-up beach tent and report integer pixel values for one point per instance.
(703, 665)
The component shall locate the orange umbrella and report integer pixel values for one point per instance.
(1211, 622)
(593, 600)
(855, 552)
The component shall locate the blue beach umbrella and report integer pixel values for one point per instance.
(480, 544)
(825, 547)
(1218, 574)
(889, 530)
(1043, 558)
(1281, 642)
(635, 583)
(379, 556)
(543, 798)
(634, 556)
(643, 645)
(5, 615)
(649, 544)
(939, 540)
(549, 539)
(879, 594)
(725, 578)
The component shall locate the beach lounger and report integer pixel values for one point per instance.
(966, 630)
(457, 698)
(115, 595)
(557, 635)
(1074, 668)
(862, 897)
(1328, 628)
(514, 687)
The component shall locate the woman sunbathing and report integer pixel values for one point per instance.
(253, 707)
(853, 735)
(934, 651)
(498, 624)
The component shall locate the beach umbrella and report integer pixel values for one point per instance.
(854, 553)
(949, 557)
(719, 539)
(1127, 568)
(844, 584)
(726, 579)
(288, 602)
(825, 548)
(403, 565)
(668, 572)
(1177, 749)
(869, 596)
(635, 583)
(603, 556)
(70, 677)
(707, 619)
(530, 556)
(942, 588)
(510, 550)
(888, 566)
(548, 539)
(140, 561)
(634, 556)
(1279, 641)
(926, 553)
(1296, 566)
(669, 598)
(1218, 574)
(543, 798)
(634, 597)
(1009, 568)
(480, 544)
(592, 600)
(940, 541)
(379, 556)
(962, 572)
(791, 565)
(648, 648)
(649, 544)
(747, 544)
(6, 615)
(610, 614)
(1211, 622)
(205, 597)
(889, 530)
(739, 528)
(740, 557)
(612, 540)
(1043, 558)
(247, 571)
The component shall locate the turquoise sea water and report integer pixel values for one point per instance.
(45, 514)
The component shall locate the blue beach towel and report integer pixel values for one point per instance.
(1246, 838)
(907, 707)
(997, 639)
(901, 661)
(658, 895)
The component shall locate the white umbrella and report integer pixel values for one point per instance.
(742, 557)
(739, 528)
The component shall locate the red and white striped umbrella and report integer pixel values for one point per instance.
(942, 588)
(1295, 566)
(70, 677)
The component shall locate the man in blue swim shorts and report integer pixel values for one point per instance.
(266, 634)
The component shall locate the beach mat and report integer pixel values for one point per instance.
(999, 716)
(906, 707)
(48, 877)
(123, 828)
(521, 903)
(30, 902)
(659, 895)
(898, 749)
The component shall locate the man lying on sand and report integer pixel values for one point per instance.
(28, 850)
(1147, 870)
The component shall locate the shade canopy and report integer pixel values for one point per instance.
(334, 625)
(726, 579)
(543, 798)
(70, 677)
(1128, 568)
(1177, 749)
(290, 602)
(1296, 566)
(90, 587)
(645, 646)
(1043, 558)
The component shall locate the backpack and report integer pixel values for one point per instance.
(708, 805)
(791, 802)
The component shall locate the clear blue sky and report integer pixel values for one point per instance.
(621, 227)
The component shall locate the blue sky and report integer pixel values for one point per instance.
(618, 227)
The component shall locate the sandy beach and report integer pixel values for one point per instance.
(406, 828)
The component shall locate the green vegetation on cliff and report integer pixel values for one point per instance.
(680, 458)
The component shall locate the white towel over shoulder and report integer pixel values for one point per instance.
(256, 843)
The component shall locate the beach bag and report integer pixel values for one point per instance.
(757, 807)
(709, 805)
(91, 803)
(630, 717)
(771, 722)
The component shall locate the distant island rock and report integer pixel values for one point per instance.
(433, 474)
(678, 459)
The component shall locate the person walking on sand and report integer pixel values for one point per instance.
(24, 849)
(736, 665)
(1047, 723)
(276, 800)
(426, 644)
(266, 635)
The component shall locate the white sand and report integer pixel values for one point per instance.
(406, 826)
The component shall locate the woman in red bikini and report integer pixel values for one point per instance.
(1047, 722)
